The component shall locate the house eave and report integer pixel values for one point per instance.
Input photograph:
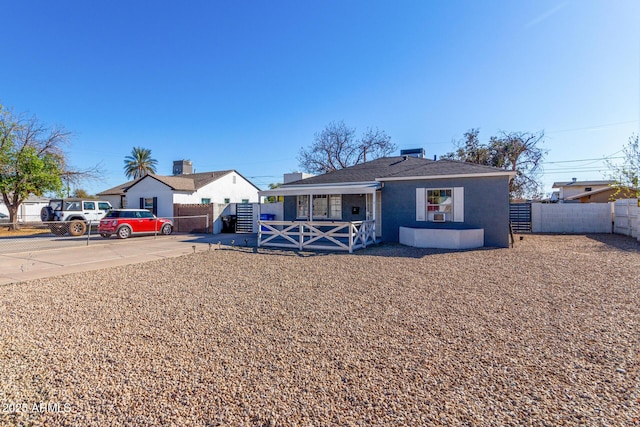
(322, 189)
(451, 176)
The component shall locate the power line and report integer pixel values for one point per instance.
(592, 127)
(557, 171)
(584, 160)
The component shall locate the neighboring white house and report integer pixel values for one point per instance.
(159, 193)
(29, 210)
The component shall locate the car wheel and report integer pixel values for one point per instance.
(124, 232)
(166, 229)
(46, 214)
(77, 228)
(105, 235)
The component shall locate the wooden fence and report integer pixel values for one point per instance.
(192, 218)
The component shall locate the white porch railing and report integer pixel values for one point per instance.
(325, 235)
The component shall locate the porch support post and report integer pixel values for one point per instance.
(302, 223)
(374, 207)
(301, 235)
(350, 228)
(259, 215)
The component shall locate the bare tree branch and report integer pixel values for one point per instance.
(336, 147)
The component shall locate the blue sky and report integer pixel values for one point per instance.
(245, 85)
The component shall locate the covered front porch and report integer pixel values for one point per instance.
(343, 217)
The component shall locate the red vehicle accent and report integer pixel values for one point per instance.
(127, 222)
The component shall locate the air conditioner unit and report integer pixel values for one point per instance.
(438, 217)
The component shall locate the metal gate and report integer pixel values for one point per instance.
(244, 218)
(520, 217)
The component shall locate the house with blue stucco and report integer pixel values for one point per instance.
(411, 200)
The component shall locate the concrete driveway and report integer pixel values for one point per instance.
(47, 262)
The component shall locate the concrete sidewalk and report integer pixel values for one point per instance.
(36, 264)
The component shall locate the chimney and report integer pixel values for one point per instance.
(574, 179)
(182, 167)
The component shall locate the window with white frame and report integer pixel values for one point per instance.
(303, 207)
(335, 206)
(440, 204)
(320, 206)
(323, 206)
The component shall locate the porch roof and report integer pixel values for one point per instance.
(343, 188)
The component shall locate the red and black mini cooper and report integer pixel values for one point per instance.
(126, 222)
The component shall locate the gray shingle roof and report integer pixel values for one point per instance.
(118, 190)
(187, 182)
(398, 167)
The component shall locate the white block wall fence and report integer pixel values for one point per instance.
(627, 217)
(572, 217)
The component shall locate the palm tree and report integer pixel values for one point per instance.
(139, 163)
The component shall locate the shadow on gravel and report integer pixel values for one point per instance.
(400, 251)
(617, 241)
(247, 242)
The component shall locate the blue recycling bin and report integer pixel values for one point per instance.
(266, 217)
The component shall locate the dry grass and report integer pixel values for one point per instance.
(543, 334)
(24, 230)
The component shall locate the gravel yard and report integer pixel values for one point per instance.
(545, 334)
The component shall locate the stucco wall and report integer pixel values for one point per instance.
(151, 187)
(571, 217)
(486, 205)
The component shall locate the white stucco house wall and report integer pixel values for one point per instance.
(159, 193)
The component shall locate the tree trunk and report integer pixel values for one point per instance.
(13, 217)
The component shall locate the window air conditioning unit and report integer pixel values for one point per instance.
(438, 217)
